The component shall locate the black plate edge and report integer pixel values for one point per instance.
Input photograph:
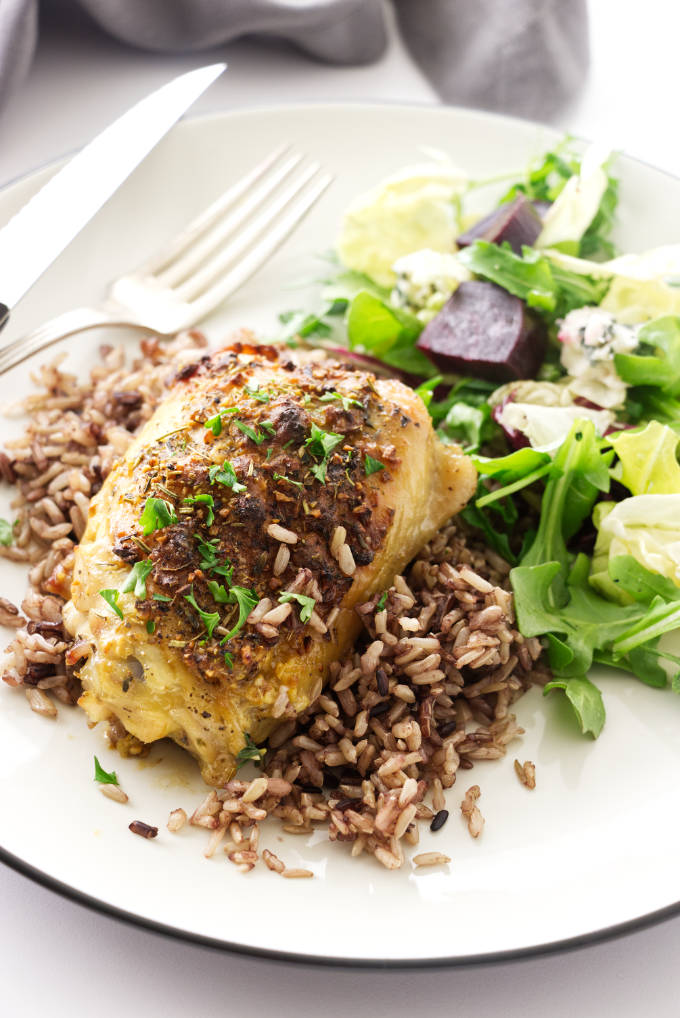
(371, 964)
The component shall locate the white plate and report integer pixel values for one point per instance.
(589, 853)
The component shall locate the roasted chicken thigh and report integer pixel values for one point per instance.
(217, 577)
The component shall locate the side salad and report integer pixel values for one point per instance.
(555, 364)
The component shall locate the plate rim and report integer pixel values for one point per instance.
(98, 905)
(556, 947)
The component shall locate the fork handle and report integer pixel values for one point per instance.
(4, 315)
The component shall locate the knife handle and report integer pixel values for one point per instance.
(4, 314)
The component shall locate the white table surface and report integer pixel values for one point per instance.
(57, 958)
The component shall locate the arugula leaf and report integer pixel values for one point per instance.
(545, 177)
(102, 776)
(580, 469)
(517, 464)
(209, 619)
(553, 291)
(307, 604)
(586, 699)
(225, 475)
(372, 466)
(6, 533)
(156, 515)
(640, 583)
(136, 579)
(250, 752)
(468, 426)
(528, 276)
(389, 333)
(111, 598)
(321, 444)
(473, 391)
(495, 538)
(426, 389)
(246, 600)
(206, 500)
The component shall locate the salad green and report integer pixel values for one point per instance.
(579, 480)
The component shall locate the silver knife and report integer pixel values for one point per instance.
(40, 231)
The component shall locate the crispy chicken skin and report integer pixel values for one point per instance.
(169, 667)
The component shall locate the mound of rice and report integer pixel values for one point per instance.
(425, 693)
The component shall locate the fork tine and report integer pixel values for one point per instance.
(205, 219)
(224, 258)
(61, 327)
(259, 254)
(202, 247)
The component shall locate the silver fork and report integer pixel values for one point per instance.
(202, 266)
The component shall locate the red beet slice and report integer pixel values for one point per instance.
(484, 331)
(516, 223)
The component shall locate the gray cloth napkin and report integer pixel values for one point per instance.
(519, 56)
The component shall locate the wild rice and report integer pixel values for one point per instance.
(526, 773)
(113, 792)
(426, 691)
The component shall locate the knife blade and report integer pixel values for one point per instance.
(39, 232)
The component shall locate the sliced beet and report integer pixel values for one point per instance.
(484, 331)
(516, 222)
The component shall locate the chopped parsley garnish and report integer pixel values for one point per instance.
(157, 513)
(111, 598)
(209, 619)
(136, 579)
(102, 776)
(206, 500)
(256, 393)
(215, 423)
(307, 604)
(382, 602)
(151, 626)
(225, 475)
(219, 592)
(256, 436)
(268, 427)
(161, 597)
(6, 533)
(228, 659)
(270, 451)
(250, 752)
(372, 466)
(321, 444)
(246, 600)
(347, 401)
(282, 477)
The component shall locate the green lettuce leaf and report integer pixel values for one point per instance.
(648, 460)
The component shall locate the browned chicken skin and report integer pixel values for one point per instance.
(312, 486)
